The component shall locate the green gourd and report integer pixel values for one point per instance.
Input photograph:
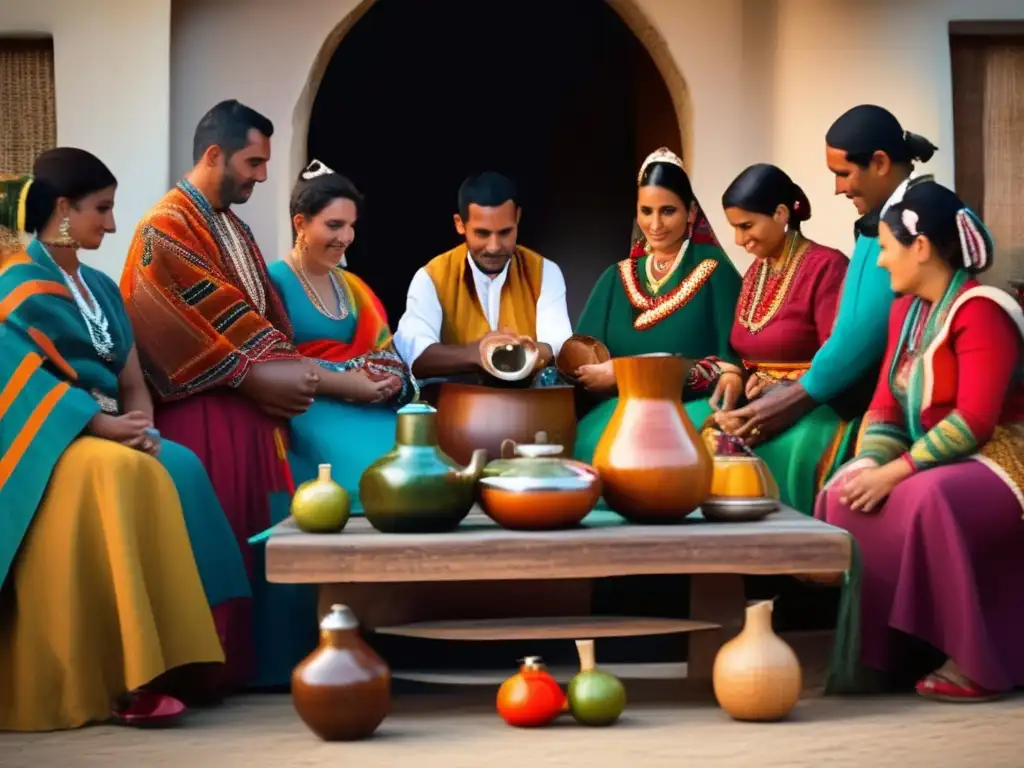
(595, 697)
(321, 505)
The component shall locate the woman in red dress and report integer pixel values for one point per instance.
(786, 310)
(934, 497)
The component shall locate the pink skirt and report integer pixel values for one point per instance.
(942, 562)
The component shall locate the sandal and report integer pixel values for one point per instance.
(147, 709)
(939, 687)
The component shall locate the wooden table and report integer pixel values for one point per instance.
(395, 581)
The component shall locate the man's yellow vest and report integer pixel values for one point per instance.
(464, 318)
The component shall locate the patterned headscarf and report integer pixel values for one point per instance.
(701, 234)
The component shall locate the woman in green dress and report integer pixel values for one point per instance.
(785, 313)
(676, 293)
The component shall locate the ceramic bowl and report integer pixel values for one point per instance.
(539, 503)
(742, 477)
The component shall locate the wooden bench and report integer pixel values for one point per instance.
(457, 585)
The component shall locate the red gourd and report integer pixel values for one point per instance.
(531, 697)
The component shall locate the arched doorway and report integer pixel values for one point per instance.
(561, 96)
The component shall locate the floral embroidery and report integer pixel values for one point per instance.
(655, 309)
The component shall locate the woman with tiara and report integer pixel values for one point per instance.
(786, 311)
(935, 496)
(113, 546)
(675, 293)
(340, 323)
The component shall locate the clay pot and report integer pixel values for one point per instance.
(471, 417)
(580, 350)
(416, 487)
(536, 491)
(342, 691)
(654, 466)
(756, 675)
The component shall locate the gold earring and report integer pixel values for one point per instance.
(66, 240)
(647, 248)
(300, 243)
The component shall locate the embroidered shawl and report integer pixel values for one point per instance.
(197, 325)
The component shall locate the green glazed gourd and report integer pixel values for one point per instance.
(416, 487)
(320, 505)
(595, 697)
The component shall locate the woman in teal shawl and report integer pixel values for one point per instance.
(113, 547)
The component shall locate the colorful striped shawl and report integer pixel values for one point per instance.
(43, 405)
(196, 328)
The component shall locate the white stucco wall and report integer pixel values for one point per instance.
(112, 73)
(766, 78)
(834, 54)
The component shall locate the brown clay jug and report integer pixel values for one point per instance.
(342, 691)
(654, 466)
(757, 676)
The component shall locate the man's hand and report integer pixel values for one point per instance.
(282, 388)
(772, 413)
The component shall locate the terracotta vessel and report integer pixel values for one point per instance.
(580, 350)
(538, 491)
(471, 417)
(416, 487)
(756, 675)
(654, 466)
(342, 691)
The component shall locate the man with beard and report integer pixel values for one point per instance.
(489, 286)
(872, 159)
(214, 340)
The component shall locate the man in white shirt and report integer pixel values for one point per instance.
(489, 285)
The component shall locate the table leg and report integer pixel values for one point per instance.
(718, 598)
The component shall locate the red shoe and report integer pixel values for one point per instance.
(147, 709)
(938, 687)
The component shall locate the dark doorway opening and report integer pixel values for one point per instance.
(561, 96)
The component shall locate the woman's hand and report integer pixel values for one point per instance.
(758, 385)
(359, 387)
(728, 390)
(597, 377)
(865, 489)
(132, 429)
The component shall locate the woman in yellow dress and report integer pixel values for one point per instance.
(104, 612)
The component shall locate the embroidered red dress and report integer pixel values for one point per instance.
(941, 559)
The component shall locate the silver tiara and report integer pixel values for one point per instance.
(314, 169)
(662, 155)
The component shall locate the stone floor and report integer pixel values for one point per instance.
(462, 730)
(666, 724)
